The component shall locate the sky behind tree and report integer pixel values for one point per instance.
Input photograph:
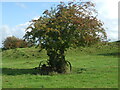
(16, 16)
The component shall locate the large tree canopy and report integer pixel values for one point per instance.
(64, 26)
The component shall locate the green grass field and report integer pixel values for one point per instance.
(92, 67)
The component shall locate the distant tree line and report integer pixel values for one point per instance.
(14, 42)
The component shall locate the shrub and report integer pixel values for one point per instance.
(14, 42)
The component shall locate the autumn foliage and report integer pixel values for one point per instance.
(13, 42)
(66, 25)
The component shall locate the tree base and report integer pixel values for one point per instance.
(45, 69)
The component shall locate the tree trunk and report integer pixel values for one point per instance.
(61, 65)
(57, 60)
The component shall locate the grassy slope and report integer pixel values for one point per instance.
(93, 67)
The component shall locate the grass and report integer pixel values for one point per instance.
(92, 67)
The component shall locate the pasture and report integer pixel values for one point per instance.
(92, 67)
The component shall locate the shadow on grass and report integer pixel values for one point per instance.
(78, 70)
(14, 71)
(110, 54)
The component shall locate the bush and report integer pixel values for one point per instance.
(13, 42)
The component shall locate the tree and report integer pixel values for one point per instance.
(14, 42)
(67, 25)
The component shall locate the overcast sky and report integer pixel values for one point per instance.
(16, 16)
